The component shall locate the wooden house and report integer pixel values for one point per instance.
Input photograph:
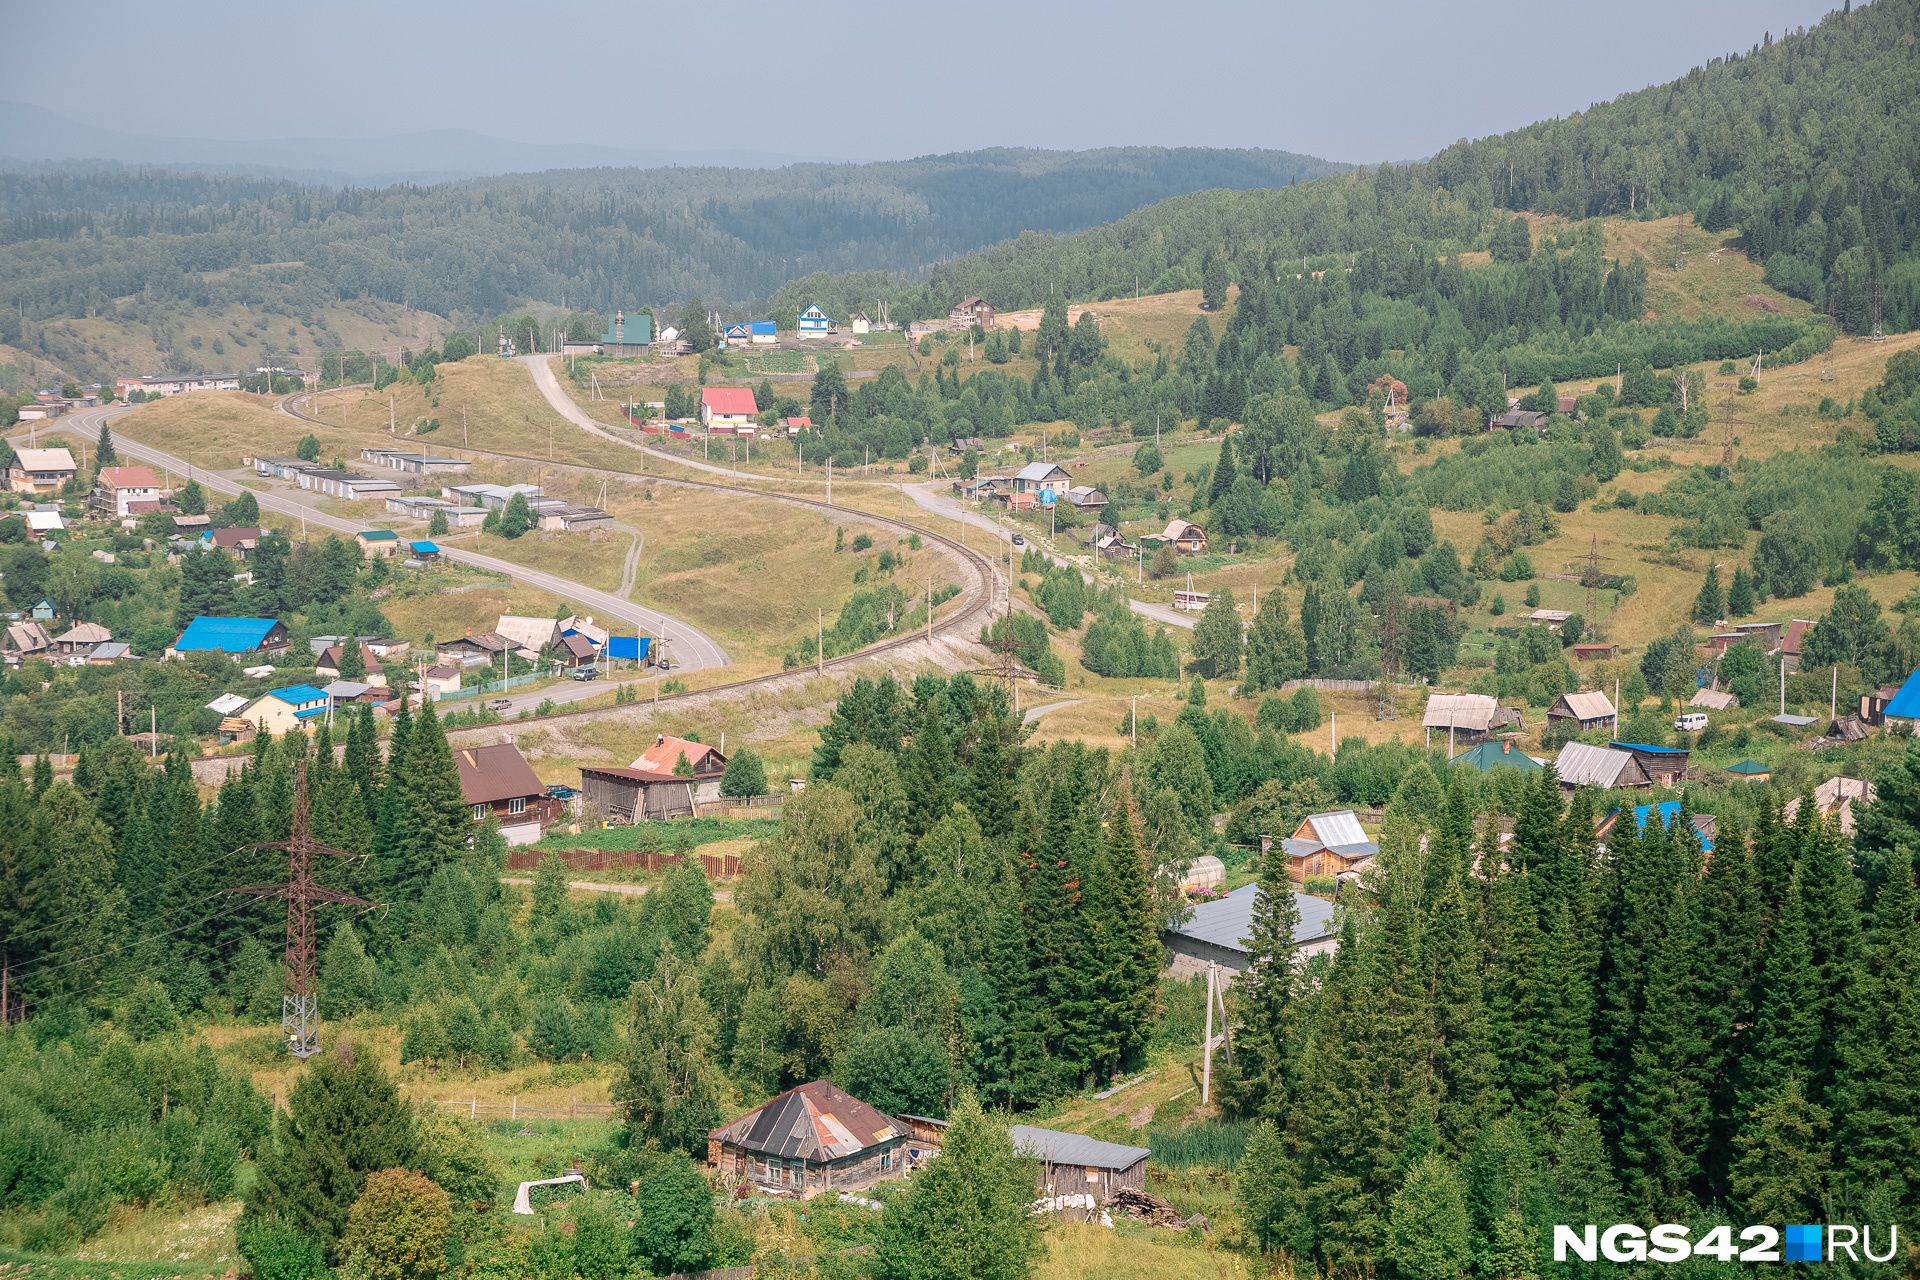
(813, 323)
(1664, 766)
(811, 1140)
(1581, 765)
(1589, 708)
(649, 789)
(498, 780)
(1836, 797)
(1073, 1164)
(725, 410)
(972, 311)
(1468, 718)
(1750, 771)
(1218, 932)
(1328, 844)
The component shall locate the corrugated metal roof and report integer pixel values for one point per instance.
(1038, 471)
(1338, 826)
(1649, 748)
(1226, 922)
(229, 635)
(1460, 711)
(1074, 1148)
(1582, 765)
(295, 695)
(814, 1121)
(1906, 703)
(1494, 755)
(729, 400)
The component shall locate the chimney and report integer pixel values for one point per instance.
(1506, 748)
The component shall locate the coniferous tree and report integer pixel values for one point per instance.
(1711, 604)
(1462, 1067)
(344, 1121)
(390, 834)
(1136, 927)
(1740, 594)
(1786, 1032)
(1830, 895)
(1879, 1091)
(439, 825)
(1223, 470)
(1726, 974)
(1781, 1172)
(1664, 1107)
(991, 794)
(928, 775)
(1268, 1049)
(362, 760)
(105, 455)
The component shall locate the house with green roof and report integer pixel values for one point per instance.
(1751, 771)
(1498, 754)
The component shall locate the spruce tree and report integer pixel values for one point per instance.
(1267, 1051)
(439, 824)
(1830, 894)
(390, 835)
(1711, 604)
(1136, 925)
(1223, 471)
(1663, 1116)
(1726, 975)
(1785, 1034)
(991, 794)
(1462, 1066)
(344, 1120)
(1879, 1088)
(1781, 1171)
(928, 775)
(1740, 594)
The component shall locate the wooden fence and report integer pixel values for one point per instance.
(718, 865)
(574, 1110)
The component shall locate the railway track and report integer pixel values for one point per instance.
(976, 602)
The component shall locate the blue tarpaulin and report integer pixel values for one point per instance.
(634, 647)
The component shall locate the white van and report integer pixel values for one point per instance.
(1692, 722)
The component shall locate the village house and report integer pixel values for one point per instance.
(1219, 932)
(115, 487)
(1042, 478)
(1468, 718)
(972, 311)
(1836, 797)
(230, 635)
(472, 650)
(375, 543)
(289, 710)
(810, 1140)
(235, 542)
(84, 638)
(1589, 708)
(1489, 756)
(727, 410)
(530, 634)
(498, 780)
(813, 323)
(1790, 641)
(1183, 536)
(1705, 826)
(436, 680)
(627, 335)
(1595, 652)
(1328, 844)
(327, 665)
(40, 470)
(1581, 765)
(1074, 1164)
(154, 385)
(1664, 766)
(1087, 498)
(649, 788)
(1521, 418)
(107, 654)
(28, 637)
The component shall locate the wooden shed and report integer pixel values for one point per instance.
(637, 795)
(1074, 1164)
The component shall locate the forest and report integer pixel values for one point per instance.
(72, 244)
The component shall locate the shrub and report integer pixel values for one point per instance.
(397, 1229)
(275, 1249)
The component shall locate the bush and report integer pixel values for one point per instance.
(276, 1250)
(397, 1229)
(745, 774)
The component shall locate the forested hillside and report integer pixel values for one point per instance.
(1806, 143)
(594, 237)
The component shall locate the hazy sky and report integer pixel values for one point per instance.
(1361, 83)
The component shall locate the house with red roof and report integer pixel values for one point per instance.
(115, 487)
(728, 410)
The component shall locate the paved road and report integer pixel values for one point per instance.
(931, 496)
(1034, 713)
(688, 647)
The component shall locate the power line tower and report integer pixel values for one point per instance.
(1727, 423)
(1830, 329)
(1876, 335)
(1592, 582)
(1389, 650)
(1679, 242)
(299, 998)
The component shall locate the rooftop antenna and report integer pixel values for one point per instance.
(300, 990)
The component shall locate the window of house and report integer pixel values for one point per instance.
(517, 805)
(479, 813)
(886, 1161)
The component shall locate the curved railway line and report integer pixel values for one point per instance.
(976, 601)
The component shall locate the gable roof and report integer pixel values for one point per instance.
(85, 633)
(1489, 756)
(45, 460)
(233, 537)
(1337, 826)
(1227, 922)
(528, 633)
(1588, 704)
(1040, 471)
(228, 635)
(1906, 703)
(1177, 529)
(1460, 711)
(1581, 765)
(497, 772)
(227, 703)
(814, 1121)
(665, 753)
(1715, 699)
(128, 478)
(1649, 749)
(729, 400)
(1057, 1147)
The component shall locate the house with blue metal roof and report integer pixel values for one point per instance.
(230, 635)
(288, 710)
(1664, 766)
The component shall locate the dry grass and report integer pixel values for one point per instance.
(1077, 1250)
(214, 427)
(203, 1234)
(453, 613)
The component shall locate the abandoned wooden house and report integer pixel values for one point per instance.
(1073, 1164)
(810, 1139)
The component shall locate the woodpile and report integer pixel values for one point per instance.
(1154, 1211)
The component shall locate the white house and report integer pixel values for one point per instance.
(814, 323)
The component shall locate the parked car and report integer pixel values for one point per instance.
(500, 704)
(1692, 722)
(586, 673)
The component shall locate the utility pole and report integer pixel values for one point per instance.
(820, 642)
(1727, 423)
(1593, 559)
(300, 989)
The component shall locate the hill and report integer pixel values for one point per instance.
(114, 242)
